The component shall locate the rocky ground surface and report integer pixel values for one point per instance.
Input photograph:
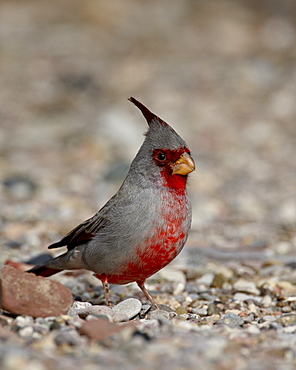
(223, 73)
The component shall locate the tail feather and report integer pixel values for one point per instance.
(43, 271)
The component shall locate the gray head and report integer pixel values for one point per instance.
(164, 154)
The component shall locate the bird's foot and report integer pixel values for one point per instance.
(148, 295)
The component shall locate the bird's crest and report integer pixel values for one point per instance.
(150, 117)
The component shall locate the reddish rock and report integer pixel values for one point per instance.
(18, 265)
(24, 293)
(101, 329)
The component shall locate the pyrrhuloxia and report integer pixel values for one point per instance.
(145, 225)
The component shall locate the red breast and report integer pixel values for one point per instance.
(160, 248)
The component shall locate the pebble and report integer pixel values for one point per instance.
(219, 280)
(231, 320)
(101, 329)
(21, 321)
(266, 301)
(253, 329)
(78, 307)
(158, 314)
(286, 320)
(200, 311)
(130, 307)
(245, 297)
(180, 310)
(178, 288)
(213, 309)
(26, 331)
(171, 274)
(90, 312)
(68, 336)
(269, 318)
(245, 286)
(206, 279)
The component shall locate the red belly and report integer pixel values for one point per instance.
(149, 258)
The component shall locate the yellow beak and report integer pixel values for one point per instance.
(183, 165)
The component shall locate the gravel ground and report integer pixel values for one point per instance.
(223, 74)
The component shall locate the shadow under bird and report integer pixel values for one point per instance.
(145, 225)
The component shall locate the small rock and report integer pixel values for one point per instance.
(101, 329)
(200, 311)
(26, 294)
(144, 310)
(249, 318)
(231, 319)
(26, 332)
(22, 321)
(78, 307)
(91, 312)
(253, 329)
(269, 318)
(206, 279)
(69, 337)
(213, 309)
(286, 287)
(180, 310)
(266, 301)
(286, 309)
(129, 307)
(245, 286)
(290, 299)
(158, 314)
(172, 274)
(179, 288)
(219, 280)
(287, 320)
(208, 297)
(253, 308)
(245, 297)
(41, 329)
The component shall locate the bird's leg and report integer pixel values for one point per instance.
(104, 281)
(107, 295)
(147, 294)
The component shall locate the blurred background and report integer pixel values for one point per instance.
(222, 73)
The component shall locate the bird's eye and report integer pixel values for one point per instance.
(161, 156)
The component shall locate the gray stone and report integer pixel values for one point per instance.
(129, 307)
(245, 286)
(245, 297)
(231, 319)
(206, 279)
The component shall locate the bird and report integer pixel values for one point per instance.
(144, 226)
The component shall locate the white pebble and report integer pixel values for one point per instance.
(129, 307)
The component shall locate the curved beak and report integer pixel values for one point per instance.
(183, 165)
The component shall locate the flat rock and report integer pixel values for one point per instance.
(245, 286)
(171, 274)
(24, 293)
(231, 320)
(86, 309)
(129, 307)
(101, 329)
(206, 279)
(246, 297)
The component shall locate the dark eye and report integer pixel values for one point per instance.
(161, 156)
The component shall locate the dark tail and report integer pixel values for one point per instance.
(43, 271)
